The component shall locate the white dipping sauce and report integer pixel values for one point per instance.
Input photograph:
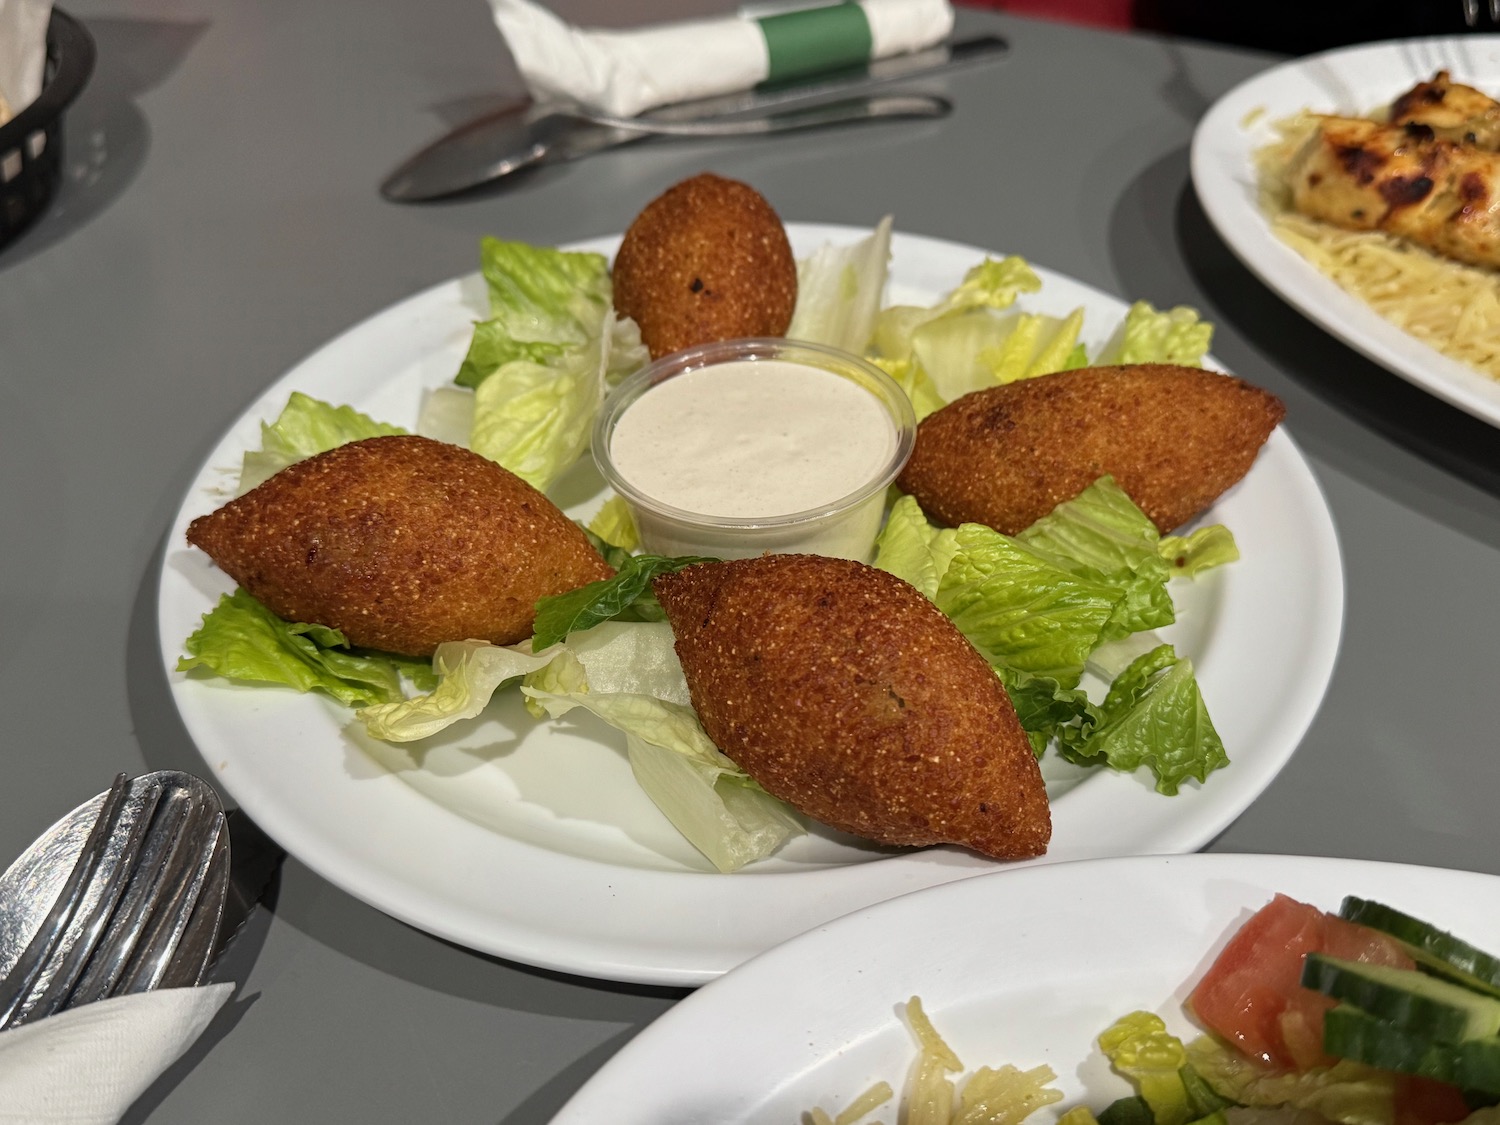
(750, 438)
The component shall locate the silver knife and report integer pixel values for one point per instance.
(527, 134)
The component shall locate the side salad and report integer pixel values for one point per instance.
(1079, 593)
(1370, 1016)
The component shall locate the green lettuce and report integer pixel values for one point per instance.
(1149, 336)
(1190, 555)
(1153, 715)
(241, 639)
(990, 285)
(839, 290)
(468, 675)
(628, 592)
(1021, 610)
(912, 549)
(628, 675)
(306, 426)
(1346, 1092)
(1101, 533)
(541, 363)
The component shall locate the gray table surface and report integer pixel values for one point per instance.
(221, 221)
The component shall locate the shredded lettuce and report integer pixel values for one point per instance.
(241, 639)
(839, 291)
(306, 426)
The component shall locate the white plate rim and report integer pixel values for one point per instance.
(815, 1018)
(1348, 79)
(476, 881)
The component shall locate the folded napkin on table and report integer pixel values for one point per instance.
(627, 72)
(88, 1065)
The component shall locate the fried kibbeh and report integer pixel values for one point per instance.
(401, 543)
(706, 260)
(846, 693)
(1174, 438)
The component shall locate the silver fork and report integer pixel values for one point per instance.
(156, 913)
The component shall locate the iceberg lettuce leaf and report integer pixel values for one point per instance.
(469, 673)
(628, 675)
(306, 426)
(240, 639)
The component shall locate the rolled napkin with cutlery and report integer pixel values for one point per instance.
(626, 72)
(88, 1065)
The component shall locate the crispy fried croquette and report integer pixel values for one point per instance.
(400, 543)
(1174, 438)
(706, 260)
(846, 693)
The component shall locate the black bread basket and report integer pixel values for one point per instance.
(31, 148)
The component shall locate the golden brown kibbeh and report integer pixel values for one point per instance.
(1174, 438)
(706, 260)
(846, 693)
(401, 543)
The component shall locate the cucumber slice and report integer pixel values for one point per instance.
(1349, 1033)
(1437, 1009)
(1434, 950)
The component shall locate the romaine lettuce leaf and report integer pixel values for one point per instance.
(1346, 1092)
(306, 426)
(1022, 610)
(912, 549)
(1149, 336)
(241, 639)
(1045, 707)
(839, 291)
(540, 365)
(614, 524)
(1101, 533)
(1140, 1048)
(1207, 547)
(990, 285)
(628, 675)
(1153, 715)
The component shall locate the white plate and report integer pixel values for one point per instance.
(1023, 969)
(533, 842)
(1351, 80)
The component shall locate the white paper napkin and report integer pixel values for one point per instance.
(88, 1065)
(23, 53)
(627, 72)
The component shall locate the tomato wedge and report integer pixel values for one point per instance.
(1252, 995)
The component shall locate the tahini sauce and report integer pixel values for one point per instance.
(753, 438)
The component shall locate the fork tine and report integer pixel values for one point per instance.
(181, 882)
(73, 975)
(148, 879)
(17, 987)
